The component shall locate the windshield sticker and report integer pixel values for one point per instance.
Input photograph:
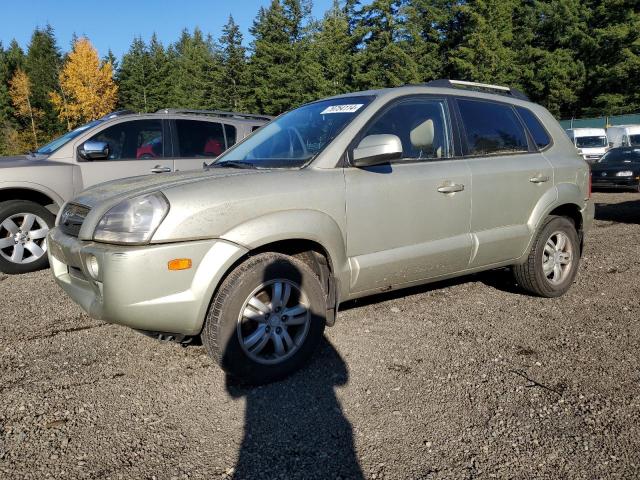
(354, 107)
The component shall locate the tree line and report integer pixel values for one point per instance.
(576, 57)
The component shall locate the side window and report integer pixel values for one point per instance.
(136, 139)
(199, 139)
(420, 124)
(537, 131)
(492, 128)
(230, 134)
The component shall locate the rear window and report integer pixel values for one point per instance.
(492, 128)
(537, 131)
(200, 139)
(230, 134)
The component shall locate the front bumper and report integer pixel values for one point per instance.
(134, 286)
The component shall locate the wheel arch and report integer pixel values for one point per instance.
(33, 193)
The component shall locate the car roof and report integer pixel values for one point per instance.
(224, 117)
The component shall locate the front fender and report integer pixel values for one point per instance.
(57, 200)
(310, 225)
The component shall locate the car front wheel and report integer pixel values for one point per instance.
(267, 318)
(24, 226)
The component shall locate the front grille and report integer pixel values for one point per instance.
(72, 217)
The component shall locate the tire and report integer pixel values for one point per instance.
(533, 277)
(243, 321)
(23, 251)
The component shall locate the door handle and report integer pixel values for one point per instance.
(456, 187)
(160, 169)
(539, 179)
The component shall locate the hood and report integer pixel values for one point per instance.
(30, 160)
(108, 194)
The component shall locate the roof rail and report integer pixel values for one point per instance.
(117, 113)
(483, 87)
(217, 113)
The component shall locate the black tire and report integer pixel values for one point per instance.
(530, 275)
(16, 207)
(221, 331)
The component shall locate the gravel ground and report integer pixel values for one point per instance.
(463, 379)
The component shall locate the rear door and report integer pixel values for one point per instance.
(136, 147)
(197, 142)
(409, 220)
(509, 176)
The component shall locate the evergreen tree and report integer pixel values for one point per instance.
(111, 58)
(159, 75)
(134, 77)
(331, 48)
(233, 87)
(281, 69)
(384, 58)
(195, 71)
(484, 34)
(42, 65)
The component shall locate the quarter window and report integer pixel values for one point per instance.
(200, 139)
(420, 124)
(492, 128)
(139, 139)
(537, 131)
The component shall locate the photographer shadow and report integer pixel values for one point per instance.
(296, 428)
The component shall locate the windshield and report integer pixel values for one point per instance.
(621, 155)
(591, 142)
(60, 141)
(295, 138)
(634, 140)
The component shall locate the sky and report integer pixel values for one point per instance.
(114, 23)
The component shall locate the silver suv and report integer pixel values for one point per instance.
(33, 187)
(338, 199)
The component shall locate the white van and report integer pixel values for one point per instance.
(592, 143)
(624, 136)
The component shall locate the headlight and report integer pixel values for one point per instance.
(133, 221)
(626, 173)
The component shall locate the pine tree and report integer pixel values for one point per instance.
(384, 58)
(159, 75)
(134, 78)
(42, 64)
(195, 70)
(484, 53)
(331, 48)
(111, 58)
(87, 84)
(233, 87)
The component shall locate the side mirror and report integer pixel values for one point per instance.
(94, 150)
(377, 150)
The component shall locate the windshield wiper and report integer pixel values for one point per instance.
(233, 164)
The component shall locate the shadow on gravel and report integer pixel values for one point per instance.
(625, 212)
(296, 428)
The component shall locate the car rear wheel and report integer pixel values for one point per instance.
(553, 262)
(24, 226)
(266, 319)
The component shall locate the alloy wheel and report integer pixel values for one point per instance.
(23, 238)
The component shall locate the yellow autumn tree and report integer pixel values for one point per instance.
(87, 87)
(20, 92)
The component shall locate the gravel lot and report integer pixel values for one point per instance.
(463, 379)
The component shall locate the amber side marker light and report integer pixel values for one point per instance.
(180, 264)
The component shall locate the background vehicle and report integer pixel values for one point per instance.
(618, 168)
(338, 199)
(591, 143)
(33, 187)
(624, 136)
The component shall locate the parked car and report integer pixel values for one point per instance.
(338, 199)
(33, 187)
(591, 143)
(624, 136)
(618, 168)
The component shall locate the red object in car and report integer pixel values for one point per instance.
(213, 147)
(146, 149)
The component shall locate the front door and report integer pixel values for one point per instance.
(409, 220)
(136, 147)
